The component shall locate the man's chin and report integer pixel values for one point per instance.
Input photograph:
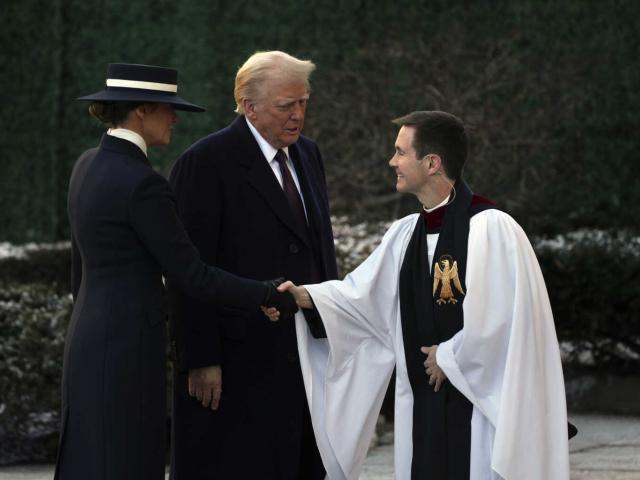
(290, 139)
(286, 140)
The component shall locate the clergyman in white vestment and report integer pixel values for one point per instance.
(454, 299)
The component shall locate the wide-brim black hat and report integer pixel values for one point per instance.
(129, 82)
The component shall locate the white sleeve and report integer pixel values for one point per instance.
(506, 359)
(346, 375)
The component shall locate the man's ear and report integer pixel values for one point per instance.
(249, 108)
(433, 163)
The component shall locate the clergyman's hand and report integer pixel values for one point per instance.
(435, 373)
(206, 385)
(303, 299)
(279, 301)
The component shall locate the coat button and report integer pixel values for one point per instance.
(293, 248)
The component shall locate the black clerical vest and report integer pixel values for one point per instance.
(431, 313)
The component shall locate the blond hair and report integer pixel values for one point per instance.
(263, 66)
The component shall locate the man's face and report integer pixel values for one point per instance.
(411, 172)
(279, 115)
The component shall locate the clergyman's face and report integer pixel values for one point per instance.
(279, 114)
(411, 173)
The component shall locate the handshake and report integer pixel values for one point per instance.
(282, 299)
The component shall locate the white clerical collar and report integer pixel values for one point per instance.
(441, 204)
(131, 136)
(267, 149)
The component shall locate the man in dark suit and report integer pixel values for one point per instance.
(253, 199)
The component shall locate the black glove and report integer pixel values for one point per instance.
(281, 301)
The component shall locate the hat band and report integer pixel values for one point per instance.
(161, 87)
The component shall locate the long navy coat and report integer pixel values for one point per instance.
(125, 234)
(237, 215)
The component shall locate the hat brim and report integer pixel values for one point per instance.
(142, 96)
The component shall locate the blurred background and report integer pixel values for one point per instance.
(549, 91)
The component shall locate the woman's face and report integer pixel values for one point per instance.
(157, 124)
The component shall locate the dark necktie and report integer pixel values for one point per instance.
(290, 190)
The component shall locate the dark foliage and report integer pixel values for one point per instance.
(592, 284)
(48, 266)
(548, 89)
(594, 293)
(33, 321)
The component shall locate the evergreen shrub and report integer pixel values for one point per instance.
(33, 321)
(591, 276)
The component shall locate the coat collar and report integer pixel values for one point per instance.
(133, 137)
(124, 147)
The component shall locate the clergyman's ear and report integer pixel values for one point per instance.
(435, 163)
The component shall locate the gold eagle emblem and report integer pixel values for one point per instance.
(445, 272)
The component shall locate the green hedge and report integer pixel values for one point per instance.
(49, 265)
(35, 307)
(549, 89)
(591, 277)
(592, 281)
(33, 321)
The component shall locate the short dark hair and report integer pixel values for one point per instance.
(441, 133)
(112, 114)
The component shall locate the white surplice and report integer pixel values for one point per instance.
(505, 360)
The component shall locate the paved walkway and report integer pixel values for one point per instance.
(607, 448)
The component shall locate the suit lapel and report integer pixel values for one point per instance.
(261, 177)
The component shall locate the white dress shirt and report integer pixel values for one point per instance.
(269, 153)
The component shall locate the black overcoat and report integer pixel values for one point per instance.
(237, 215)
(125, 233)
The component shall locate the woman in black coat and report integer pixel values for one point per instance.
(125, 236)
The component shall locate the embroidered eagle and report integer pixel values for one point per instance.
(445, 275)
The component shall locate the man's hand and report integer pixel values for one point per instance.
(206, 385)
(280, 300)
(436, 375)
(271, 313)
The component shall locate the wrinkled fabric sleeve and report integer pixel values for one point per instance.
(154, 218)
(506, 359)
(346, 374)
(195, 325)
